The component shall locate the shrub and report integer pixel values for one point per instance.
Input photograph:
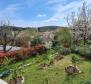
(64, 51)
(75, 60)
(88, 82)
(24, 53)
(89, 42)
(85, 51)
(37, 40)
(75, 49)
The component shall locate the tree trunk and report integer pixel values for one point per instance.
(4, 48)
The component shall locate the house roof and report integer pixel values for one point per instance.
(13, 48)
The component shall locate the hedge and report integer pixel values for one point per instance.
(23, 53)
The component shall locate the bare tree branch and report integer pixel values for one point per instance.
(7, 36)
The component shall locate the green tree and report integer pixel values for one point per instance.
(37, 40)
(64, 37)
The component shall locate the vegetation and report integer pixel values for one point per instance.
(65, 37)
(56, 74)
(80, 24)
(25, 37)
(37, 40)
(67, 61)
(7, 36)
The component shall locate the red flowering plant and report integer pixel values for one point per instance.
(23, 53)
(66, 45)
(39, 48)
(1, 57)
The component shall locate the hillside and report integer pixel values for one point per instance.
(15, 28)
(49, 28)
(40, 29)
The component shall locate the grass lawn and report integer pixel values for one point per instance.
(56, 74)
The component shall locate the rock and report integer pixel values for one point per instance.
(72, 70)
(18, 80)
(43, 66)
(51, 62)
(58, 57)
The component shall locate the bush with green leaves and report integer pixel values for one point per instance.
(74, 60)
(37, 40)
(64, 51)
(88, 82)
(74, 49)
(65, 37)
(89, 42)
(85, 51)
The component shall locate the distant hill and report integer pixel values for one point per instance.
(40, 29)
(49, 28)
(17, 28)
(22, 28)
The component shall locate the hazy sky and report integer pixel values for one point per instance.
(39, 12)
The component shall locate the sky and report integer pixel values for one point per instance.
(35, 13)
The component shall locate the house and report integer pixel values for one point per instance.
(12, 48)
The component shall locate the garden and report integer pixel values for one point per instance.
(67, 61)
